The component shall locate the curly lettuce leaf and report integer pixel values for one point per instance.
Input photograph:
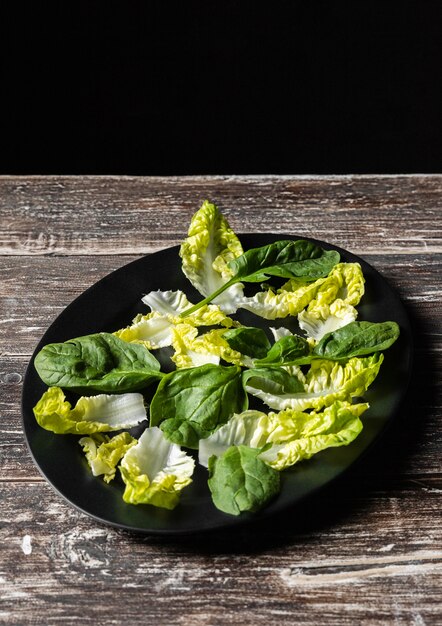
(279, 333)
(288, 436)
(334, 304)
(156, 329)
(91, 414)
(173, 303)
(240, 481)
(345, 282)
(155, 471)
(153, 330)
(325, 382)
(307, 434)
(272, 305)
(166, 302)
(325, 318)
(249, 428)
(103, 453)
(188, 351)
(193, 350)
(210, 245)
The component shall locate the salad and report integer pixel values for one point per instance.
(244, 402)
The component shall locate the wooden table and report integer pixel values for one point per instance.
(368, 551)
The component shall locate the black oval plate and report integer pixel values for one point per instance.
(111, 304)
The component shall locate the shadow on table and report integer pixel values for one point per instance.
(381, 471)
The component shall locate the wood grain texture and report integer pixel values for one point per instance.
(367, 551)
(123, 215)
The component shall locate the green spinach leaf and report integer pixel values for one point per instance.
(274, 380)
(248, 340)
(299, 259)
(98, 362)
(190, 404)
(240, 481)
(357, 339)
(289, 349)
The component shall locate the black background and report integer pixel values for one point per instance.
(220, 87)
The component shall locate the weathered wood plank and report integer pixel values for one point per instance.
(127, 215)
(342, 561)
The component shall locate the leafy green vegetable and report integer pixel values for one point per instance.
(345, 282)
(326, 318)
(357, 339)
(190, 404)
(152, 331)
(239, 481)
(99, 362)
(288, 349)
(272, 305)
(286, 437)
(188, 352)
(192, 350)
(325, 382)
(157, 329)
(172, 303)
(202, 404)
(103, 453)
(279, 333)
(354, 339)
(155, 471)
(92, 414)
(248, 340)
(307, 434)
(271, 380)
(206, 253)
(167, 302)
(249, 428)
(300, 259)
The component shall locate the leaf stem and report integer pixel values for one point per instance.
(209, 299)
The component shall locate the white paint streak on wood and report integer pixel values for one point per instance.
(26, 545)
(353, 570)
(387, 548)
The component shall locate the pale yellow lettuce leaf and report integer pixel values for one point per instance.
(326, 382)
(155, 471)
(91, 414)
(206, 252)
(288, 436)
(103, 453)
(192, 350)
(155, 330)
(306, 434)
(317, 321)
